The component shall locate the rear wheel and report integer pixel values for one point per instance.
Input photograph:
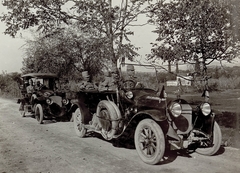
(217, 140)
(21, 109)
(39, 113)
(22, 113)
(149, 141)
(78, 123)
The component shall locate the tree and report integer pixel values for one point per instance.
(98, 18)
(65, 53)
(192, 30)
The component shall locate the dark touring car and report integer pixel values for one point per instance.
(154, 121)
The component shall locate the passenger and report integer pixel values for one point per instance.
(86, 83)
(65, 86)
(27, 98)
(110, 81)
(30, 88)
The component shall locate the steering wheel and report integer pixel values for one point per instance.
(129, 84)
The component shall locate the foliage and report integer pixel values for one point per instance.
(105, 23)
(65, 53)
(9, 84)
(193, 30)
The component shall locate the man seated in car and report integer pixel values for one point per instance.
(86, 83)
(110, 81)
(30, 88)
(30, 91)
(38, 86)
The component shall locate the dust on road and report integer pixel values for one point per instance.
(26, 146)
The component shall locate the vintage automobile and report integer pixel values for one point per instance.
(46, 102)
(155, 121)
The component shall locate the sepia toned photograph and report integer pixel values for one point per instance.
(109, 86)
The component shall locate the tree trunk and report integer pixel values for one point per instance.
(177, 69)
(169, 66)
(112, 54)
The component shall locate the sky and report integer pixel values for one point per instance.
(12, 52)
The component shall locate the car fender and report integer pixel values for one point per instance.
(86, 115)
(157, 115)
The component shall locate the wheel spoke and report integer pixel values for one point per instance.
(153, 146)
(143, 135)
(151, 149)
(142, 139)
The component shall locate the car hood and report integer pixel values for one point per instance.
(45, 93)
(148, 98)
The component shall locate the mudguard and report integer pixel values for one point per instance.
(86, 115)
(157, 115)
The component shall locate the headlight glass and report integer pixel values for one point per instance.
(49, 101)
(129, 94)
(65, 101)
(176, 109)
(205, 108)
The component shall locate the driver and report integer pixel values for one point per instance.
(131, 76)
(38, 86)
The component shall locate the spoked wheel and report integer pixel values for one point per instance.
(149, 141)
(22, 113)
(39, 113)
(78, 123)
(217, 140)
(21, 110)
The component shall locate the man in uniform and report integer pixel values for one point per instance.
(30, 88)
(131, 77)
(86, 83)
(110, 81)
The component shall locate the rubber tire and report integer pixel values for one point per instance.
(39, 113)
(72, 118)
(77, 120)
(156, 130)
(217, 140)
(22, 112)
(112, 110)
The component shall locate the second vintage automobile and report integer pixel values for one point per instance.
(46, 102)
(154, 121)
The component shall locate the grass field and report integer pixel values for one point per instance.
(226, 105)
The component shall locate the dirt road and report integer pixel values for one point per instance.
(26, 146)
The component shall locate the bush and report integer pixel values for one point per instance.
(226, 83)
(227, 119)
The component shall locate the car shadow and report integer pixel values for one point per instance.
(220, 151)
(169, 155)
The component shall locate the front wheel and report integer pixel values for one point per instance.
(39, 113)
(149, 141)
(217, 140)
(78, 123)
